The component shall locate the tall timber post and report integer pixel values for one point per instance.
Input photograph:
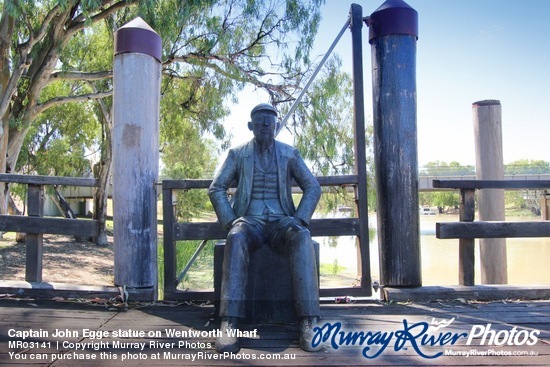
(136, 105)
(487, 116)
(393, 32)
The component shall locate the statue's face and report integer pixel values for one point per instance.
(263, 126)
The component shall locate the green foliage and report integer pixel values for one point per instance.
(527, 166)
(444, 199)
(90, 50)
(514, 199)
(441, 199)
(331, 269)
(211, 50)
(439, 168)
(201, 273)
(325, 122)
(324, 133)
(425, 198)
(528, 200)
(61, 140)
(187, 156)
(517, 199)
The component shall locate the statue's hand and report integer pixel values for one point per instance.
(233, 222)
(288, 221)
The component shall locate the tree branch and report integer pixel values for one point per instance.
(202, 60)
(79, 22)
(11, 87)
(104, 110)
(80, 75)
(41, 107)
(44, 28)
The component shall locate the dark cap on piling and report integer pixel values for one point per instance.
(137, 36)
(393, 17)
(487, 102)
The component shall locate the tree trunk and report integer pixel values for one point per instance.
(102, 193)
(100, 203)
(20, 237)
(4, 133)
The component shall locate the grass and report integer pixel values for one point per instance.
(520, 212)
(201, 273)
(331, 269)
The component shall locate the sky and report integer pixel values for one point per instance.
(467, 51)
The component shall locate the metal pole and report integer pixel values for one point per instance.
(312, 78)
(393, 33)
(490, 166)
(136, 105)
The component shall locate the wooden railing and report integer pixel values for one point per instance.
(184, 231)
(35, 225)
(467, 230)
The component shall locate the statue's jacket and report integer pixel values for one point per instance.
(239, 167)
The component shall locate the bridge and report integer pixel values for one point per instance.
(425, 181)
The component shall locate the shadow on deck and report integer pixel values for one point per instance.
(146, 335)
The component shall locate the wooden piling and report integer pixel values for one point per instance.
(393, 33)
(490, 166)
(137, 73)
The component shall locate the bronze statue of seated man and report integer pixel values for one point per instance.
(262, 212)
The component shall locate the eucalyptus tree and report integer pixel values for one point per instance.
(323, 130)
(211, 50)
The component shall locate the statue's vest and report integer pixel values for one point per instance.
(265, 189)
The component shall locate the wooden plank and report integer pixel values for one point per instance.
(49, 180)
(46, 290)
(478, 292)
(273, 339)
(185, 184)
(213, 231)
(189, 184)
(495, 229)
(194, 231)
(18, 223)
(346, 291)
(491, 184)
(195, 294)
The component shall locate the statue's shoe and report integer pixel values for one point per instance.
(228, 342)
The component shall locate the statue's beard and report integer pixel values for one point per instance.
(264, 142)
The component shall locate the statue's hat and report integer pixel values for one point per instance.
(263, 107)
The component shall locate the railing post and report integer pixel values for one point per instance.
(136, 105)
(393, 31)
(169, 244)
(34, 241)
(489, 166)
(466, 250)
(545, 206)
(356, 24)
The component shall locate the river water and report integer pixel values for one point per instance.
(528, 258)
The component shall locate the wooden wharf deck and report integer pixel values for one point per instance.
(273, 341)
